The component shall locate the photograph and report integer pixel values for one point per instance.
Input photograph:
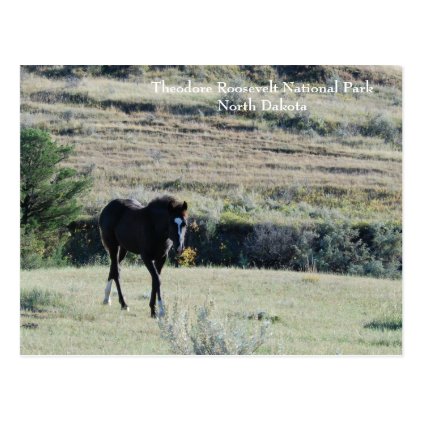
(210, 210)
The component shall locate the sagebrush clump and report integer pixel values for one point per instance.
(203, 335)
(382, 125)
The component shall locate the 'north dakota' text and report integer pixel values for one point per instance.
(263, 105)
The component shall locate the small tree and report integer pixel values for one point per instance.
(48, 191)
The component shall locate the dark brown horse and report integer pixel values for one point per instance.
(148, 231)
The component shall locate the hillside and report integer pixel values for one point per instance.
(230, 158)
(340, 161)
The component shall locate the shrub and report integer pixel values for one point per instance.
(275, 246)
(384, 241)
(308, 73)
(306, 124)
(31, 251)
(213, 216)
(84, 245)
(270, 245)
(338, 247)
(387, 244)
(333, 245)
(205, 336)
(36, 300)
(330, 246)
(38, 251)
(245, 201)
(187, 257)
(310, 278)
(48, 191)
(383, 126)
(48, 197)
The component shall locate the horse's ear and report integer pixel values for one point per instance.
(184, 206)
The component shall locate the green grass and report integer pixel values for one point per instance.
(308, 314)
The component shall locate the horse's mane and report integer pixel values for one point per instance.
(162, 202)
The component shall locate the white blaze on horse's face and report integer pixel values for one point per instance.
(179, 222)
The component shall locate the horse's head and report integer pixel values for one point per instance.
(177, 224)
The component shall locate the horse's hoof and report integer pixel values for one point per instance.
(106, 302)
(125, 308)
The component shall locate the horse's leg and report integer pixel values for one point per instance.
(110, 249)
(122, 254)
(159, 263)
(149, 263)
(107, 299)
(115, 275)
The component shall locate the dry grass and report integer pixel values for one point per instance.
(336, 315)
(208, 157)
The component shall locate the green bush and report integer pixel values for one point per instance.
(48, 198)
(31, 251)
(372, 249)
(366, 249)
(338, 247)
(84, 244)
(304, 123)
(38, 250)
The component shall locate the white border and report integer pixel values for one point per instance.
(286, 388)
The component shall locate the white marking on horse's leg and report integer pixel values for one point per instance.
(107, 291)
(161, 308)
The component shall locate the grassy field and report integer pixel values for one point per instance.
(308, 313)
(136, 144)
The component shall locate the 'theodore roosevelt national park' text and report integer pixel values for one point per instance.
(251, 103)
